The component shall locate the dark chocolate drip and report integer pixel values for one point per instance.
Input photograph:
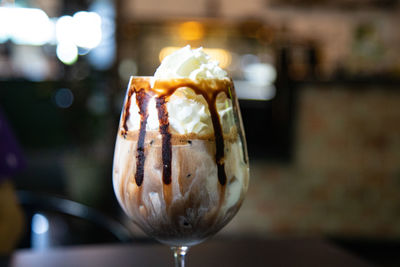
(166, 139)
(142, 100)
(127, 114)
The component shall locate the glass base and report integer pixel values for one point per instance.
(179, 255)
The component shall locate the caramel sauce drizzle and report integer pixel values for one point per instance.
(209, 89)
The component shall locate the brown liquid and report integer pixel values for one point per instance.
(209, 89)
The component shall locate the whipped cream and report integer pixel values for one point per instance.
(189, 63)
(187, 111)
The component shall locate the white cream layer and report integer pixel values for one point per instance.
(189, 63)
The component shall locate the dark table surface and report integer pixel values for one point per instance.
(269, 253)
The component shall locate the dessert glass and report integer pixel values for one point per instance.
(180, 186)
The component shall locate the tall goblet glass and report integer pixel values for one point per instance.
(180, 163)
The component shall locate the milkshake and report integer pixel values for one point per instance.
(180, 167)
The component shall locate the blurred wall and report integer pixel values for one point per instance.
(345, 178)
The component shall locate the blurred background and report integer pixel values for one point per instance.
(318, 83)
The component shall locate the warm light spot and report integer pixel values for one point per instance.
(223, 56)
(191, 31)
(166, 51)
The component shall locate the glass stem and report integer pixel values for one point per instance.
(179, 255)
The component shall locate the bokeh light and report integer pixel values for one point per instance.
(87, 29)
(191, 30)
(67, 52)
(40, 224)
(27, 26)
(64, 98)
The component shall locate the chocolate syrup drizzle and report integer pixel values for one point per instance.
(142, 100)
(166, 139)
(163, 89)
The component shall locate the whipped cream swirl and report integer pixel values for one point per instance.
(189, 63)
